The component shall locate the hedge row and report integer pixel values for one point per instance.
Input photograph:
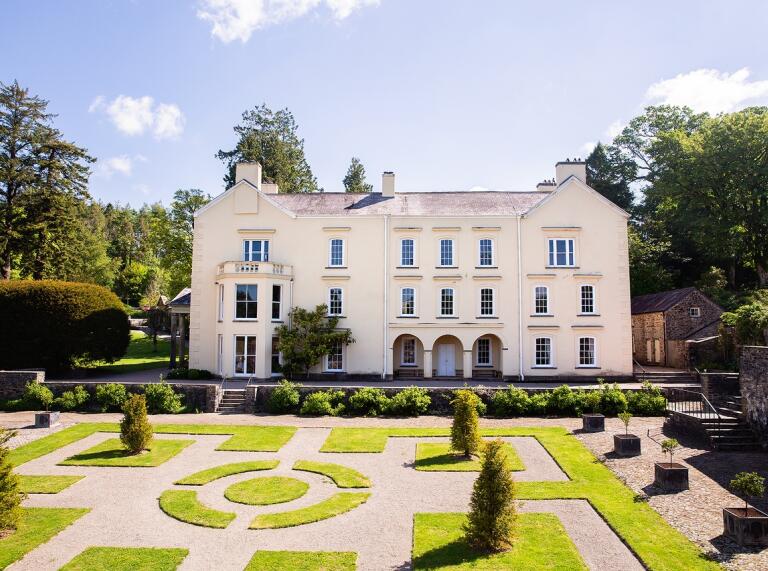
(414, 401)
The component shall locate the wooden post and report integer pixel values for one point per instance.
(173, 340)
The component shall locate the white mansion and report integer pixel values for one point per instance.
(431, 284)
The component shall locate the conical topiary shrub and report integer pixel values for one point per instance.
(10, 493)
(465, 430)
(135, 429)
(491, 521)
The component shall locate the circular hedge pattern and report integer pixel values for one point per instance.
(266, 491)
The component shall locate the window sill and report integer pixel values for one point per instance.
(487, 317)
(406, 267)
(483, 366)
(277, 321)
(562, 267)
(447, 317)
(333, 371)
(339, 316)
(246, 319)
(588, 366)
(486, 267)
(542, 314)
(408, 366)
(407, 316)
(587, 315)
(335, 267)
(446, 267)
(543, 367)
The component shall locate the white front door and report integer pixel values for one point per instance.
(446, 360)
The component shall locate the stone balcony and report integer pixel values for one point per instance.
(255, 269)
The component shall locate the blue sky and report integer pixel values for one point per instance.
(449, 95)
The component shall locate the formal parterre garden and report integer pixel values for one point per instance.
(541, 541)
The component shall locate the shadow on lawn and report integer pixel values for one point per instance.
(456, 552)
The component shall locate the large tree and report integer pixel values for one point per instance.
(39, 173)
(354, 181)
(610, 174)
(270, 137)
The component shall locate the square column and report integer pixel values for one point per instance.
(427, 363)
(467, 363)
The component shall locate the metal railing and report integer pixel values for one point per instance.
(644, 371)
(697, 406)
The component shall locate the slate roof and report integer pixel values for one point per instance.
(184, 297)
(486, 203)
(662, 301)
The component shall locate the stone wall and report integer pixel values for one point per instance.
(754, 389)
(647, 326)
(12, 383)
(680, 325)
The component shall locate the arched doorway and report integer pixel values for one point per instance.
(447, 357)
(407, 357)
(486, 357)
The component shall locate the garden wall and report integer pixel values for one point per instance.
(12, 383)
(754, 389)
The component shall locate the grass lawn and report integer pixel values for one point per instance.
(266, 491)
(112, 453)
(244, 438)
(342, 476)
(184, 506)
(541, 543)
(658, 545)
(127, 559)
(438, 457)
(205, 476)
(304, 560)
(37, 526)
(46, 484)
(139, 356)
(333, 506)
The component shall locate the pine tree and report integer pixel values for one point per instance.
(354, 181)
(135, 429)
(465, 430)
(492, 518)
(10, 492)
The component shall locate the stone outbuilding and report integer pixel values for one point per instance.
(666, 324)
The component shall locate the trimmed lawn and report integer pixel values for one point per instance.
(656, 543)
(183, 505)
(111, 453)
(541, 544)
(333, 506)
(244, 438)
(206, 476)
(342, 476)
(304, 560)
(37, 526)
(139, 356)
(47, 484)
(438, 457)
(127, 559)
(266, 491)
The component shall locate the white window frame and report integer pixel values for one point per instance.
(570, 252)
(245, 355)
(221, 302)
(220, 355)
(480, 263)
(279, 303)
(403, 362)
(490, 353)
(440, 263)
(248, 250)
(326, 361)
(551, 364)
(402, 291)
(581, 299)
(595, 362)
(480, 302)
(535, 303)
(694, 312)
(255, 302)
(343, 262)
(341, 301)
(413, 263)
(440, 302)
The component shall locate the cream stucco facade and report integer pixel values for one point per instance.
(491, 284)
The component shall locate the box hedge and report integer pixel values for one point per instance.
(52, 324)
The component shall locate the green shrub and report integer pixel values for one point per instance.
(510, 402)
(588, 401)
(52, 324)
(368, 401)
(563, 402)
(38, 395)
(625, 418)
(465, 429)
(135, 429)
(13, 405)
(538, 403)
(669, 446)
(612, 399)
(284, 398)
(648, 401)
(320, 403)
(189, 374)
(162, 399)
(412, 401)
(111, 396)
(72, 400)
(492, 517)
(748, 485)
(10, 486)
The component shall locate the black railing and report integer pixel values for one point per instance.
(697, 406)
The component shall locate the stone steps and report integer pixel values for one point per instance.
(232, 402)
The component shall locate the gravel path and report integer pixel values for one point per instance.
(125, 512)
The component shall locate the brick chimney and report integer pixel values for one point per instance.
(547, 185)
(568, 167)
(388, 183)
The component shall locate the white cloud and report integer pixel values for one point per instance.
(588, 147)
(142, 188)
(122, 164)
(615, 129)
(237, 19)
(708, 90)
(135, 116)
